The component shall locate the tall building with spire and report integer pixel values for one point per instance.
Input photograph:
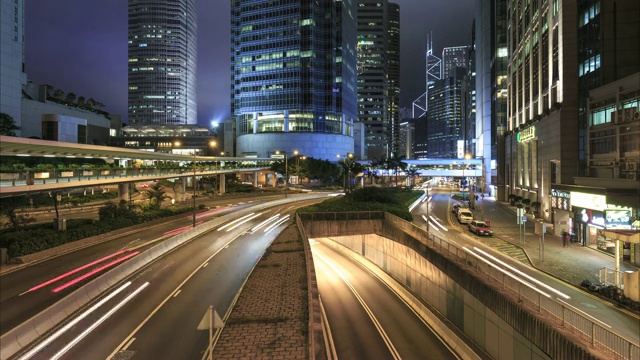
(293, 84)
(379, 75)
(162, 62)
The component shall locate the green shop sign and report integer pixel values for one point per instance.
(526, 134)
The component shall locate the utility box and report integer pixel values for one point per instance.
(541, 227)
(60, 224)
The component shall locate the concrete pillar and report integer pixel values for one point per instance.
(255, 179)
(184, 189)
(222, 184)
(123, 192)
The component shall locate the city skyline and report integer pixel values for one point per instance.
(81, 48)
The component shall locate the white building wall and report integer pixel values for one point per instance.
(12, 76)
(316, 145)
(32, 112)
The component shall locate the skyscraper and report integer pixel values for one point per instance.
(452, 57)
(293, 84)
(379, 75)
(12, 71)
(444, 116)
(162, 62)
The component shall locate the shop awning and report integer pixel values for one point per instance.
(632, 236)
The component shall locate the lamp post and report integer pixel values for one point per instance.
(177, 144)
(295, 152)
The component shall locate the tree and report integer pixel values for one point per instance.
(412, 172)
(71, 97)
(396, 163)
(156, 195)
(81, 101)
(8, 126)
(11, 219)
(91, 102)
(58, 94)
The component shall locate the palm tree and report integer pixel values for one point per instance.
(412, 172)
(396, 163)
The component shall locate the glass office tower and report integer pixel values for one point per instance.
(162, 62)
(293, 84)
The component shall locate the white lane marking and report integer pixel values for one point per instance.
(117, 349)
(129, 344)
(373, 318)
(205, 265)
(93, 326)
(177, 292)
(72, 323)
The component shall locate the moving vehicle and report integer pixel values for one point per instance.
(480, 228)
(455, 208)
(465, 216)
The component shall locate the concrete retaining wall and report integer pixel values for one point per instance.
(501, 327)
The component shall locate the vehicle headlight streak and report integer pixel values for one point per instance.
(234, 221)
(104, 317)
(244, 221)
(72, 323)
(274, 225)
(259, 226)
(507, 273)
(530, 278)
(434, 222)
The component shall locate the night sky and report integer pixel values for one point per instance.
(80, 46)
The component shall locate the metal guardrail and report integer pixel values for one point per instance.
(614, 346)
(27, 178)
(611, 277)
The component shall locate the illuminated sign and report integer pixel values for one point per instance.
(560, 194)
(527, 134)
(617, 219)
(460, 149)
(588, 201)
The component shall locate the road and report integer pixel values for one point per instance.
(610, 317)
(160, 321)
(21, 296)
(367, 319)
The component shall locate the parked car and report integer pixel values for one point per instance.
(454, 208)
(480, 228)
(465, 216)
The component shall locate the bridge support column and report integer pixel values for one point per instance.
(222, 184)
(123, 192)
(255, 179)
(183, 193)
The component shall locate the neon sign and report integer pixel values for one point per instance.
(526, 134)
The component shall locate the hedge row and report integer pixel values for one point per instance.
(42, 237)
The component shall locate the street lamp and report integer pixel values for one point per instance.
(177, 144)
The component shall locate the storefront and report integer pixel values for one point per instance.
(562, 217)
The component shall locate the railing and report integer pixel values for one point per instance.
(612, 345)
(348, 215)
(611, 277)
(35, 177)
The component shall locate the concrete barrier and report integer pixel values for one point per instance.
(24, 334)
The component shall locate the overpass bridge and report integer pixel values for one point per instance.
(155, 165)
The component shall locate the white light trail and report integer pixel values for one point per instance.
(274, 225)
(523, 282)
(233, 222)
(72, 323)
(259, 226)
(244, 221)
(104, 317)
(562, 295)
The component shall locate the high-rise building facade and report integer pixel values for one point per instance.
(453, 57)
(491, 59)
(293, 84)
(542, 114)
(162, 62)
(444, 116)
(379, 75)
(12, 71)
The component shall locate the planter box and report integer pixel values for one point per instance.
(9, 176)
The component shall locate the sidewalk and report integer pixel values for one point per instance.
(572, 264)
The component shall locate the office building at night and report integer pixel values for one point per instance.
(491, 59)
(162, 62)
(444, 117)
(12, 69)
(453, 57)
(379, 75)
(293, 84)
